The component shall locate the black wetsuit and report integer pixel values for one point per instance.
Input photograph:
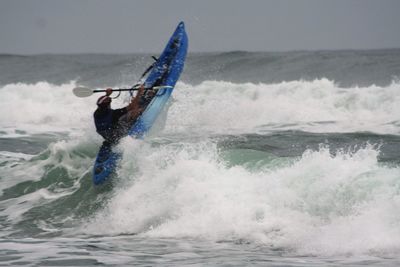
(107, 123)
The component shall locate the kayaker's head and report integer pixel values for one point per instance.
(104, 101)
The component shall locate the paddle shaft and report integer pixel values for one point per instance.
(131, 89)
(118, 90)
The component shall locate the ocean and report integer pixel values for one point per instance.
(262, 159)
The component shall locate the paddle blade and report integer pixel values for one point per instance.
(82, 91)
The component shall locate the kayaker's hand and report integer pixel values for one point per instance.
(141, 90)
(109, 91)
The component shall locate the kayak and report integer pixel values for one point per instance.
(164, 75)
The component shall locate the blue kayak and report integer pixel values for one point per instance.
(165, 73)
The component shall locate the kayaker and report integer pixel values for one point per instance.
(112, 124)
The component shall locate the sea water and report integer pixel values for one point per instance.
(262, 159)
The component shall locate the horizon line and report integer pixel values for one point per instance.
(199, 52)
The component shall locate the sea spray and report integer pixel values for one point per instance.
(188, 191)
(215, 107)
(42, 107)
(316, 106)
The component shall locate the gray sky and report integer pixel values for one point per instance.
(125, 26)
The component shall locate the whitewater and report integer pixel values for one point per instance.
(262, 159)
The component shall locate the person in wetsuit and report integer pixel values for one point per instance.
(112, 124)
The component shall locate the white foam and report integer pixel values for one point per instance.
(216, 107)
(6, 155)
(43, 107)
(316, 106)
(319, 204)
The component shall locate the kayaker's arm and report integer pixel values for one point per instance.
(135, 101)
(133, 108)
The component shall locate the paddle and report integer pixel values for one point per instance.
(85, 92)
